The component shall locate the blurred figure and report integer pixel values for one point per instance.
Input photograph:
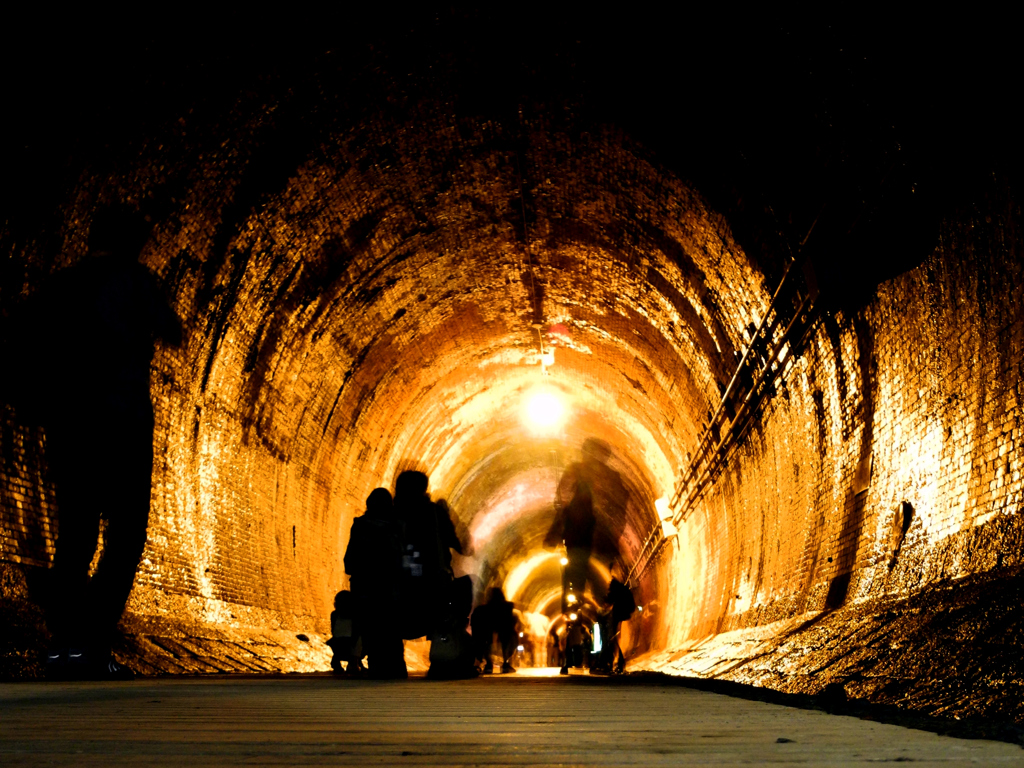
(495, 619)
(84, 345)
(554, 649)
(373, 560)
(451, 647)
(619, 606)
(574, 528)
(588, 490)
(345, 642)
(447, 538)
(578, 642)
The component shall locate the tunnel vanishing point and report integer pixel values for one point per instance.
(779, 286)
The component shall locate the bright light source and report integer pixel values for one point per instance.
(573, 617)
(545, 412)
(640, 608)
(520, 648)
(597, 638)
(664, 513)
(564, 561)
(520, 634)
(571, 598)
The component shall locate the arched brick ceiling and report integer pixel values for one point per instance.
(376, 311)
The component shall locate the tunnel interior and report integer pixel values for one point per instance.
(510, 264)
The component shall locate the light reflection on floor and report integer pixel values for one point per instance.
(537, 672)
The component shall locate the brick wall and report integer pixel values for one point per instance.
(925, 383)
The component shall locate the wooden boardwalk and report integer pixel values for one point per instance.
(508, 720)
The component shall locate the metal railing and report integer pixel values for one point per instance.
(786, 325)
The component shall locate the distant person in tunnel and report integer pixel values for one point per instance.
(574, 528)
(373, 561)
(85, 343)
(578, 641)
(495, 619)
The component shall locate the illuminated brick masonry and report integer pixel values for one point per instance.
(371, 289)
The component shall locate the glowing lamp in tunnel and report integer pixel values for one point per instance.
(564, 561)
(544, 412)
(664, 512)
(573, 617)
(570, 599)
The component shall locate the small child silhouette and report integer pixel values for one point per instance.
(345, 641)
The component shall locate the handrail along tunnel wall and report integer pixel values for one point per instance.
(368, 293)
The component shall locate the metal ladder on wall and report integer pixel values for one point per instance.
(791, 316)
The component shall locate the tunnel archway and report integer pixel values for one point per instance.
(381, 255)
(402, 331)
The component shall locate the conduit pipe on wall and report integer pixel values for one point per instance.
(786, 325)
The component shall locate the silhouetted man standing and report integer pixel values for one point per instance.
(374, 562)
(87, 341)
(428, 535)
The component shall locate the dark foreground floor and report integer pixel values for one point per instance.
(318, 720)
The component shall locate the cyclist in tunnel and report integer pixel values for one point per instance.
(428, 536)
(577, 529)
(587, 489)
(496, 617)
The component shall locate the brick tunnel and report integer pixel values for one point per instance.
(806, 416)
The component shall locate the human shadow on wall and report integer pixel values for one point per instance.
(85, 342)
(856, 502)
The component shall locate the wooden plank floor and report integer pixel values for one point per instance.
(507, 720)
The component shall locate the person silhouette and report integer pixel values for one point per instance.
(86, 341)
(587, 487)
(346, 641)
(428, 536)
(574, 528)
(496, 617)
(373, 560)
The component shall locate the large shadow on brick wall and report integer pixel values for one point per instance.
(856, 498)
